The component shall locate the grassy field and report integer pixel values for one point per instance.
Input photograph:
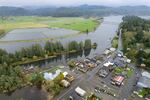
(75, 23)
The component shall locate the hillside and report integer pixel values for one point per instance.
(83, 10)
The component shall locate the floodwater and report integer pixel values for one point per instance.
(102, 36)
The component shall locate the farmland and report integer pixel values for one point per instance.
(74, 23)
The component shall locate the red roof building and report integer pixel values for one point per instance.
(118, 80)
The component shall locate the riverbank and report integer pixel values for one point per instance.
(28, 61)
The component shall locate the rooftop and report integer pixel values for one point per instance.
(118, 79)
(146, 74)
(144, 82)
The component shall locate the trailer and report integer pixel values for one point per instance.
(80, 91)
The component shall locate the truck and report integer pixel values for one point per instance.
(80, 91)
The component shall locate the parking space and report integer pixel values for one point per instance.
(96, 75)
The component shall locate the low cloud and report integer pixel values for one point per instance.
(73, 2)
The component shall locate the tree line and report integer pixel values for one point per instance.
(36, 50)
(134, 24)
(136, 39)
(11, 78)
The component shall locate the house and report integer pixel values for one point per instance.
(69, 78)
(91, 65)
(102, 73)
(112, 49)
(108, 64)
(65, 83)
(118, 80)
(51, 76)
(106, 52)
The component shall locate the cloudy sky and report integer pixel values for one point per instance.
(73, 2)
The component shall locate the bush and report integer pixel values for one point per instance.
(2, 31)
(71, 63)
(88, 44)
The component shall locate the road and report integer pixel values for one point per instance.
(82, 78)
(120, 47)
(126, 90)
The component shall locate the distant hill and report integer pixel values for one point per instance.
(83, 10)
(12, 11)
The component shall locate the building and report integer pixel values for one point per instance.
(69, 78)
(108, 64)
(65, 83)
(144, 81)
(65, 74)
(118, 80)
(102, 73)
(80, 91)
(106, 52)
(112, 49)
(51, 76)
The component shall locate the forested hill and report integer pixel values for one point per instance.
(7, 11)
(83, 10)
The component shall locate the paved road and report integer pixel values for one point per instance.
(127, 89)
(120, 47)
(82, 78)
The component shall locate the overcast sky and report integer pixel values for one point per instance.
(73, 2)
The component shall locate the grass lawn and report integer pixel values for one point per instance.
(75, 23)
(120, 70)
(144, 92)
(130, 72)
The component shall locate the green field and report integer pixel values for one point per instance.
(75, 23)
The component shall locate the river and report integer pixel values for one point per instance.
(102, 36)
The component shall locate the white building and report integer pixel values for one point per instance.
(51, 76)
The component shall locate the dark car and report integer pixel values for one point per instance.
(102, 90)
